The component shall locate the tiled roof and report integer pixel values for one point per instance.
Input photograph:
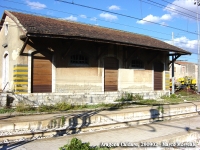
(184, 63)
(48, 26)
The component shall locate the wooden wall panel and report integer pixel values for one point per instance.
(42, 76)
(111, 66)
(158, 76)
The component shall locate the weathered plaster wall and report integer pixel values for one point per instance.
(14, 45)
(77, 79)
(139, 80)
(91, 78)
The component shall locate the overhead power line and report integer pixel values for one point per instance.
(106, 21)
(171, 9)
(124, 15)
(110, 22)
(180, 7)
(103, 20)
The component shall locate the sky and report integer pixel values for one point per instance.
(158, 19)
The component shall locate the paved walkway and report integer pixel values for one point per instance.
(130, 134)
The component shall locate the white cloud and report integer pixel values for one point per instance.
(108, 16)
(93, 19)
(72, 18)
(151, 18)
(114, 7)
(83, 16)
(183, 7)
(35, 5)
(185, 43)
(166, 17)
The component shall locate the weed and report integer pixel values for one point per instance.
(76, 144)
(63, 106)
(129, 97)
(63, 120)
(173, 96)
(46, 108)
(161, 109)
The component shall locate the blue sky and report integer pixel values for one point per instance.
(178, 15)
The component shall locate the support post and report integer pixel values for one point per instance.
(172, 74)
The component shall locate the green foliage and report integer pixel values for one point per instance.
(6, 110)
(63, 106)
(148, 102)
(22, 107)
(173, 96)
(63, 120)
(46, 108)
(165, 97)
(129, 97)
(76, 144)
(161, 108)
(138, 97)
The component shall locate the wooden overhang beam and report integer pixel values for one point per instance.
(41, 49)
(174, 57)
(154, 57)
(100, 41)
(24, 45)
(102, 52)
(68, 49)
(131, 55)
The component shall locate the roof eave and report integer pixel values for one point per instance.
(29, 34)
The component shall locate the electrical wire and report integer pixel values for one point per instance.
(172, 9)
(128, 16)
(132, 26)
(97, 19)
(180, 7)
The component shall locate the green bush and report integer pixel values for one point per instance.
(63, 106)
(138, 97)
(6, 110)
(76, 144)
(46, 108)
(129, 97)
(22, 107)
(173, 96)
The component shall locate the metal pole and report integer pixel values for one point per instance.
(172, 74)
(173, 66)
(197, 3)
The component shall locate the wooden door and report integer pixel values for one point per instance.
(111, 66)
(41, 75)
(158, 76)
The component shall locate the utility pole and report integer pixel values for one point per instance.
(172, 66)
(197, 3)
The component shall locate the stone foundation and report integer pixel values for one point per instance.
(75, 98)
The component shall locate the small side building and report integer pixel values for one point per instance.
(182, 69)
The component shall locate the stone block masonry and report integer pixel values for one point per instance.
(80, 98)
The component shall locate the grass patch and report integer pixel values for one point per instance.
(129, 97)
(6, 110)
